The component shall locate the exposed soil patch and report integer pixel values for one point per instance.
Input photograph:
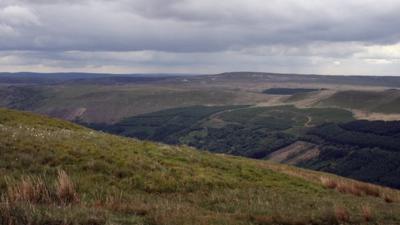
(295, 153)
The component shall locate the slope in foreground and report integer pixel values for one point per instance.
(55, 172)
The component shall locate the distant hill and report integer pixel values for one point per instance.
(383, 81)
(45, 78)
(248, 77)
(371, 101)
(93, 78)
(97, 102)
(108, 98)
(55, 172)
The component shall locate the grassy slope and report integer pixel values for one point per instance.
(125, 181)
(370, 101)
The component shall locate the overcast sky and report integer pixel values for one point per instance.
(201, 36)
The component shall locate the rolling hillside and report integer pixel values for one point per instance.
(107, 98)
(111, 103)
(55, 172)
(369, 101)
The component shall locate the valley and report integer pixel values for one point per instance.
(278, 117)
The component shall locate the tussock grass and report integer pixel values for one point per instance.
(367, 213)
(340, 184)
(34, 190)
(29, 189)
(23, 214)
(342, 215)
(357, 188)
(30, 200)
(329, 183)
(388, 198)
(65, 189)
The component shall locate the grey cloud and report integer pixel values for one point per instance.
(189, 33)
(18, 16)
(196, 26)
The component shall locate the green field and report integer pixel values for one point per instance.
(115, 180)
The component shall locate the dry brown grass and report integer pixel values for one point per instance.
(65, 189)
(342, 215)
(388, 198)
(6, 212)
(369, 189)
(32, 201)
(342, 185)
(357, 188)
(28, 189)
(34, 190)
(349, 188)
(328, 182)
(367, 213)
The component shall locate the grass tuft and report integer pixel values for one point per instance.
(342, 215)
(367, 213)
(28, 189)
(32, 201)
(369, 189)
(65, 189)
(328, 182)
(388, 198)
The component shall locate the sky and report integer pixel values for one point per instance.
(343, 37)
